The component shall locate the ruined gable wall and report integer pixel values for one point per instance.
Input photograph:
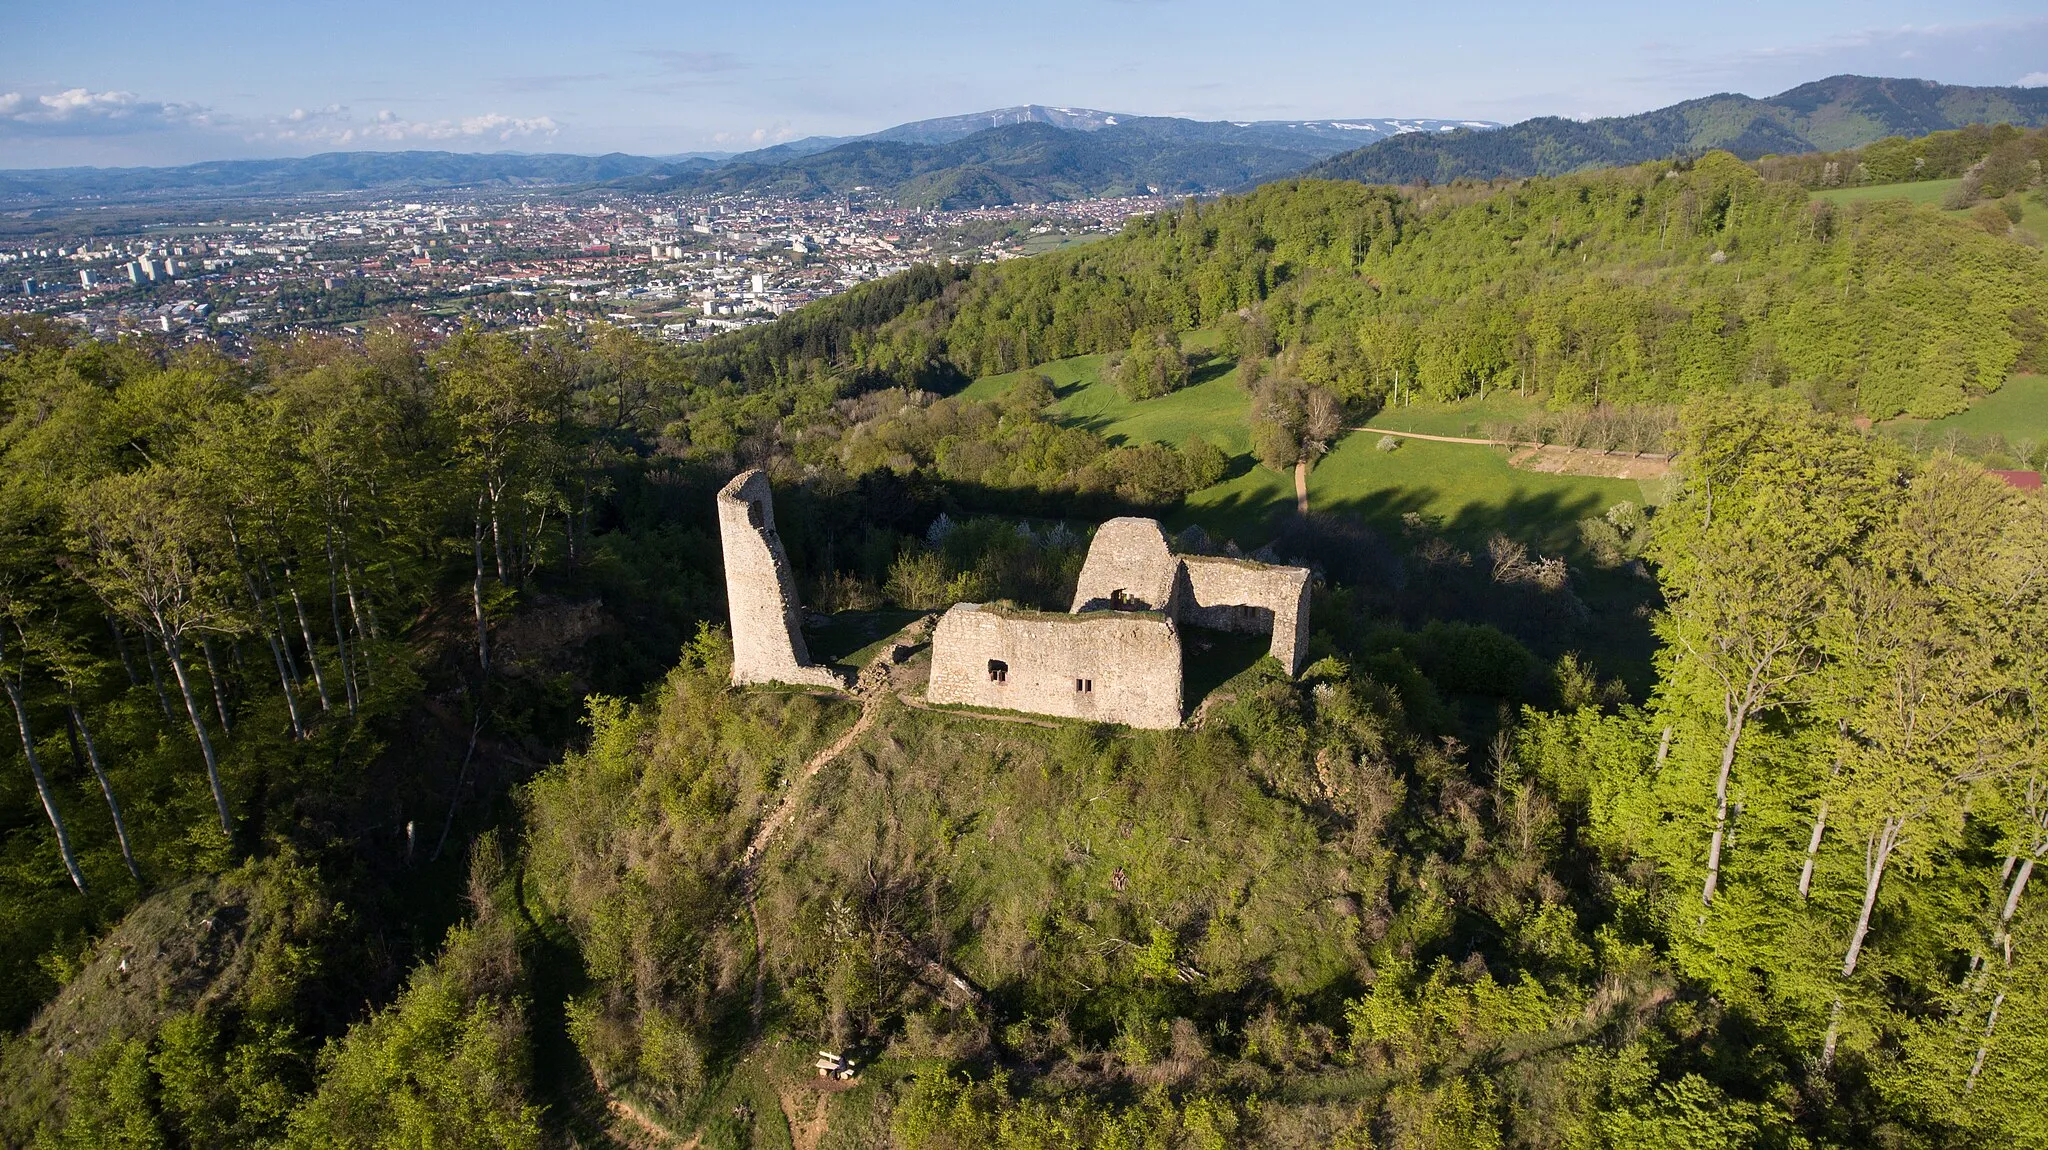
(1239, 595)
(767, 642)
(1133, 659)
(1128, 555)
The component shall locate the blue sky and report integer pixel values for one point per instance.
(115, 83)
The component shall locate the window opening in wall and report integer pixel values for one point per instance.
(753, 514)
(1119, 599)
(998, 671)
(1085, 686)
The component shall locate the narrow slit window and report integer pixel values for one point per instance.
(998, 671)
(1085, 686)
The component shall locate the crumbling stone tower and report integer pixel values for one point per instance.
(767, 641)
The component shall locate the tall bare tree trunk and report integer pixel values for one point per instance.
(1820, 823)
(220, 700)
(35, 768)
(99, 771)
(306, 635)
(1827, 1045)
(497, 537)
(284, 681)
(1875, 856)
(220, 796)
(355, 612)
(1984, 1044)
(2012, 904)
(1737, 717)
(476, 595)
(121, 648)
(156, 679)
(341, 647)
(284, 641)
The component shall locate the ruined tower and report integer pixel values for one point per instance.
(767, 642)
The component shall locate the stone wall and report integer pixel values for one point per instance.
(1129, 565)
(1239, 595)
(1115, 658)
(1111, 666)
(767, 640)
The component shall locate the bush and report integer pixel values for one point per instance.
(1991, 218)
(1474, 658)
(1206, 463)
(1154, 366)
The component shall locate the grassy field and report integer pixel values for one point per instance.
(1213, 407)
(1916, 192)
(2017, 411)
(2033, 217)
(1471, 418)
(1471, 490)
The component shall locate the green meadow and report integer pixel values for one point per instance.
(1930, 193)
(1470, 490)
(2018, 411)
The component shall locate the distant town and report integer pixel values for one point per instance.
(675, 268)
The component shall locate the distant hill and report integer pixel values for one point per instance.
(946, 129)
(1039, 154)
(328, 172)
(1838, 112)
(1025, 153)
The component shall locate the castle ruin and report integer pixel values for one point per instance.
(1115, 657)
(1110, 666)
(767, 639)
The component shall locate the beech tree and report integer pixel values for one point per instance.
(144, 541)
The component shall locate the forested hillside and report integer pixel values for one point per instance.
(376, 780)
(1825, 115)
(1018, 163)
(1643, 284)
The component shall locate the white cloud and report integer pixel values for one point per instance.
(2034, 80)
(81, 111)
(81, 114)
(333, 126)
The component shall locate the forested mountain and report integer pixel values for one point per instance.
(1285, 133)
(1838, 112)
(1030, 160)
(376, 778)
(1071, 152)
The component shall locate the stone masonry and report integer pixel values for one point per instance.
(1110, 666)
(1115, 657)
(1130, 566)
(1240, 595)
(767, 641)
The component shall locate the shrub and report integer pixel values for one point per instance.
(1154, 366)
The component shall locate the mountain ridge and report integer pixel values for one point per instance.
(1822, 115)
(1302, 141)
